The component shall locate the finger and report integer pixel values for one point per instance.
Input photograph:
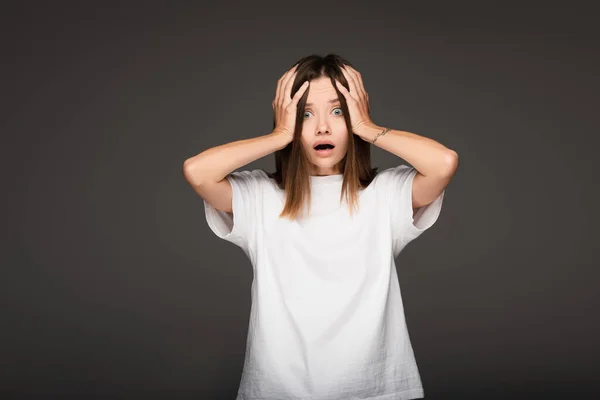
(351, 84)
(299, 93)
(279, 100)
(360, 92)
(288, 88)
(361, 85)
(280, 86)
(278, 91)
(344, 91)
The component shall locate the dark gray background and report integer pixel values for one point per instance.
(115, 287)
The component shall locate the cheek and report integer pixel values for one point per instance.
(343, 140)
(305, 140)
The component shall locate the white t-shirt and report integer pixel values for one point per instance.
(327, 319)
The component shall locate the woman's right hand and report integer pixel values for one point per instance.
(284, 107)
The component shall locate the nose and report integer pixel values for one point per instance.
(323, 128)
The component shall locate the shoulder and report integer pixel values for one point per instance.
(252, 179)
(394, 175)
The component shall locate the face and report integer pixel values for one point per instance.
(324, 121)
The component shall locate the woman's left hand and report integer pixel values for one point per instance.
(357, 98)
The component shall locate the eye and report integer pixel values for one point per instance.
(337, 108)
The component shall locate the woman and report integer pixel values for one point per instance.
(322, 233)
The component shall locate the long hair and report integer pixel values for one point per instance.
(292, 172)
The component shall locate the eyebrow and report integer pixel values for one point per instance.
(330, 101)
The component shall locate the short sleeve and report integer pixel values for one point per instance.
(240, 226)
(397, 187)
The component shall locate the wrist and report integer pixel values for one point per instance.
(282, 138)
(368, 131)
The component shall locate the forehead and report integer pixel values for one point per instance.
(321, 91)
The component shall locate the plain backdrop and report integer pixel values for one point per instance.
(113, 286)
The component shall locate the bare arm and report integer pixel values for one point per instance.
(435, 163)
(206, 171)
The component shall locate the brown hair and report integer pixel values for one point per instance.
(292, 166)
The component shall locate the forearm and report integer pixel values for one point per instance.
(426, 155)
(216, 163)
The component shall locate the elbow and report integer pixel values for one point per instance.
(191, 172)
(187, 165)
(450, 163)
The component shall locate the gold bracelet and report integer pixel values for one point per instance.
(386, 130)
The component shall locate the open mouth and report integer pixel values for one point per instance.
(324, 147)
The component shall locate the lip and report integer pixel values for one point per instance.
(318, 142)
(324, 153)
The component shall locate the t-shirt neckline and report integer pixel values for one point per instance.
(325, 179)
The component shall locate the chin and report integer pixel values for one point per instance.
(327, 165)
(330, 162)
